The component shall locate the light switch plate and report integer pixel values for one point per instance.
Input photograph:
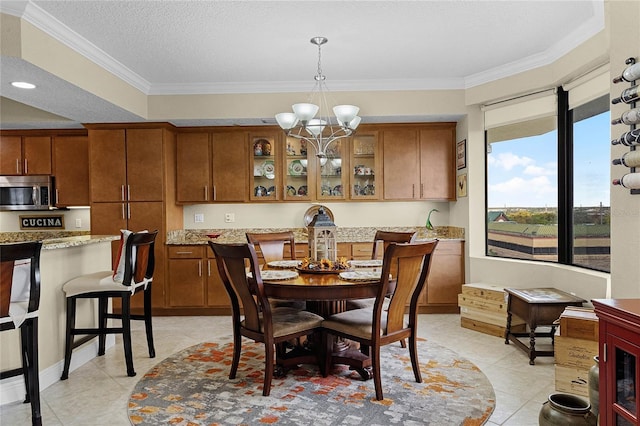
(198, 218)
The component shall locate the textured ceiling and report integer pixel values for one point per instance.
(184, 47)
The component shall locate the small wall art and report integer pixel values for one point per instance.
(461, 154)
(461, 185)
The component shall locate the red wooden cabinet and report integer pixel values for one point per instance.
(619, 341)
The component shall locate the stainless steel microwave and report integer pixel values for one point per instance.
(26, 192)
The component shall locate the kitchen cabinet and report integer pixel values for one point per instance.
(331, 178)
(193, 168)
(266, 166)
(194, 278)
(25, 155)
(132, 186)
(418, 162)
(71, 170)
(445, 280)
(365, 170)
(299, 166)
(211, 167)
(230, 166)
(619, 360)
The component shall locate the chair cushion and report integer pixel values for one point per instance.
(357, 322)
(288, 321)
(366, 303)
(98, 282)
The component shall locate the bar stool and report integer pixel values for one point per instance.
(133, 274)
(19, 303)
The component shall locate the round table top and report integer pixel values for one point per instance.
(325, 286)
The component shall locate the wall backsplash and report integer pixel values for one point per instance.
(291, 215)
(10, 221)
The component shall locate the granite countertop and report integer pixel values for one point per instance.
(56, 239)
(343, 234)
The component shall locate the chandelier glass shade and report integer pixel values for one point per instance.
(319, 131)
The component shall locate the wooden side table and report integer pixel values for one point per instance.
(537, 307)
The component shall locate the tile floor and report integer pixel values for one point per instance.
(97, 392)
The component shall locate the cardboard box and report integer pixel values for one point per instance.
(577, 353)
(572, 380)
(495, 318)
(579, 323)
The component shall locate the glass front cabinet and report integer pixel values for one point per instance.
(619, 341)
(365, 165)
(331, 179)
(264, 151)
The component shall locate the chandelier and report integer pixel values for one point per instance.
(322, 131)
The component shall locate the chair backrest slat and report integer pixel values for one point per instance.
(140, 263)
(232, 261)
(412, 262)
(388, 237)
(272, 244)
(9, 255)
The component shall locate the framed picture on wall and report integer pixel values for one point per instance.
(462, 185)
(461, 154)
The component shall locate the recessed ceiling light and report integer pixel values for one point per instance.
(23, 85)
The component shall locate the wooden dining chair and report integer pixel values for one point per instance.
(133, 274)
(261, 322)
(19, 304)
(383, 238)
(272, 245)
(377, 327)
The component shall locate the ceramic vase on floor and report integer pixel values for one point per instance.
(566, 410)
(594, 386)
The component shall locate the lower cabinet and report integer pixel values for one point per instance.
(195, 282)
(445, 278)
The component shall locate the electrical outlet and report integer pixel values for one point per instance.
(198, 218)
(78, 223)
(229, 217)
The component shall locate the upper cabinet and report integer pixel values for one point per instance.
(71, 170)
(298, 168)
(121, 165)
(211, 167)
(25, 155)
(365, 170)
(266, 165)
(418, 162)
(261, 164)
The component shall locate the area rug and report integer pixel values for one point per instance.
(192, 388)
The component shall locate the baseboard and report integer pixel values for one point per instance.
(12, 389)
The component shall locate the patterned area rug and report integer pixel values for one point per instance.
(192, 388)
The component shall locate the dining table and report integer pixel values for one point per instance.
(325, 293)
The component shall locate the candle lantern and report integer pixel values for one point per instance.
(321, 233)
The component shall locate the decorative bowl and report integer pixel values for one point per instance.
(214, 236)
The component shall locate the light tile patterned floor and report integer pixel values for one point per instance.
(97, 393)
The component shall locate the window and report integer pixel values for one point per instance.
(548, 177)
(591, 184)
(522, 190)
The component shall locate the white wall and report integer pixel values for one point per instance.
(290, 215)
(10, 221)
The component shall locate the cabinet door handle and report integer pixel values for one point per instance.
(57, 196)
(128, 211)
(209, 267)
(17, 166)
(122, 192)
(421, 190)
(123, 211)
(604, 350)
(128, 192)
(206, 193)
(413, 190)
(26, 167)
(214, 193)
(184, 252)
(199, 268)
